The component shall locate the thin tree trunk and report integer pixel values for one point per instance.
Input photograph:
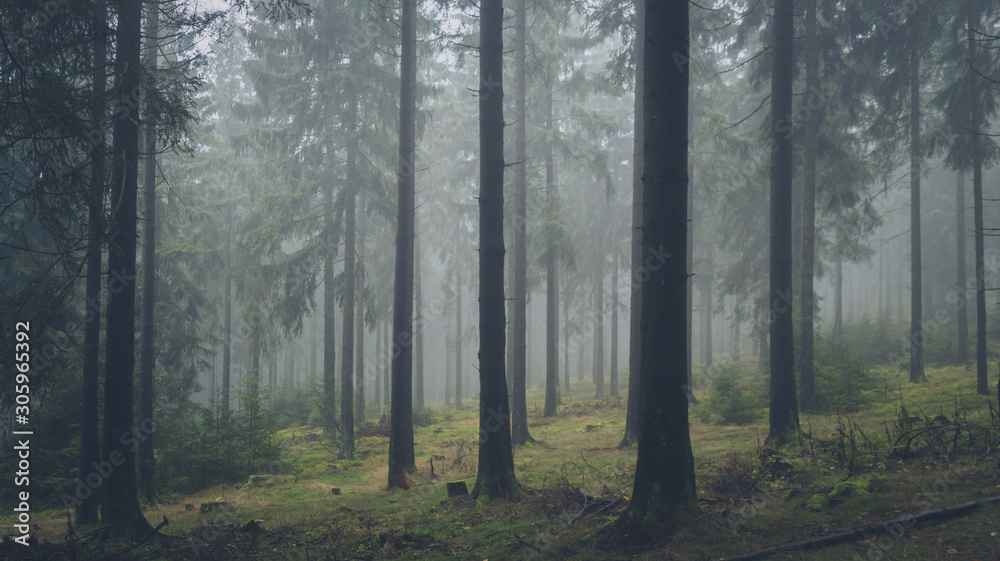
(448, 343)
(613, 377)
(346, 451)
(227, 311)
(458, 319)
(635, 297)
(598, 367)
(960, 272)
(87, 506)
(706, 298)
(418, 336)
(566, 333)
(120, 507)
(975, 114)
(551, 274)
(807, 383)
(329, 309)
(401, 458)
(495, 477)
(386, 361)
(359, 289)
(917, 336)
(519, 302)
(664, 485)
(838, 299)
(689, 311)
(783, 415)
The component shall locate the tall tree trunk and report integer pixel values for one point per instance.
(975, 114)
(447, 367)
(313, 350)
(329, 309)
(784, 415)
(359, 289)
(458, 318)
(917, 336)
(418, 336)
(566, 333)
(87, 507)
(635, 297)
(401, 458)
(346, 451)
(598, 367)
(379, 365)
(961, 280)
(227, 312)
(689, 311)
(519, 302)
(289, 380)
(613, 376)
(147, 481)
(764, 315)
(838, 299)
(120, 507)
(807, 384)
(551, 272)
(495, 477)
(706, 311)
(386, 363)
(664, 471)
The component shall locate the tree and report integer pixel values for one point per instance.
(917, 336)
(147, 481)
(807, 383)
(495, 476)
(664, 472)
(401, 458)
(783, 416)
(86, 509)
(519, 301)
(120, 507)
(350, 285)
(635, 298)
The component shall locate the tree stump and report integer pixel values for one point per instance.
(457, 489)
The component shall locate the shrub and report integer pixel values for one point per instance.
(731, 402)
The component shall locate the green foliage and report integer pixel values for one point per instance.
(842, 379)
(293, 407)
(731, 402)
(423, 416)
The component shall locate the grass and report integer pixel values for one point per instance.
(577, 450)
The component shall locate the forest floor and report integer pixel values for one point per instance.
(576, 480)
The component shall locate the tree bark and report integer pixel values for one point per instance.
(961, 280)
(917, 336)
(975, 114)
(458, 318)
(519, 302)
(418, 336)
(120, 507)
(613, 375)
(783, 416)
(359, 290)
(664, 473)
(346, 451)
(807, 384)
(598, 366)
(495, 477)
(401, 458)
(87, 508)
(329, 309)
(838, 299)
(635, 297)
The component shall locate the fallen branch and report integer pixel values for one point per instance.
(891, 527)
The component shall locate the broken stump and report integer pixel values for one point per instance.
(457, 489)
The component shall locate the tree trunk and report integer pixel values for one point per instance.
(386, 361)
(613, 376)
(227, 312)
(551, 272)
(917, 336)
(784, 416)
(635, 297)
(598, 367)
(346, 451)
(838, 299)
(147, 481)
(87, 507)
(448, 343)
(418, 336)
(706, 298)
(359, 290)
(120, 507)
(807, 383)
(495, 477)
(962, 304)
(566, 347)
(664, 472)
(519, 302)
(458, 318)
(329, 309)
(975, 114)
(689, 311)
(401, 459)
(379, 365)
